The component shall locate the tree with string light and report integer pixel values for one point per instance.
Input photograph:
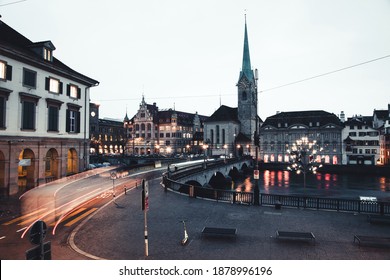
(304, 157)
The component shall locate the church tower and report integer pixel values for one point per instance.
(247, 93)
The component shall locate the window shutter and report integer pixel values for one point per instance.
(61, 87)
(78, 122)
(67, 90)
(9, 73)
(47, 83)
(78, 93)
(2, 109)
(67, 121)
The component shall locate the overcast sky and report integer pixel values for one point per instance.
(188, 54)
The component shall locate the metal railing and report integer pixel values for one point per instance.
(317, 203)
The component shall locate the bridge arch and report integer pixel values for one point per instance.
(193, 183)
(219, 181)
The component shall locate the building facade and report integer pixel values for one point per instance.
(361, 141)
(280, 131)
(44, 114)
(163, 132)
(107, 136)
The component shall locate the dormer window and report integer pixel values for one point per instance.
(47, 54)
(44, 50)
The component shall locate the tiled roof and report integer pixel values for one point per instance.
(307, 118)
(224, 113)
(15, 45)
(183, 118)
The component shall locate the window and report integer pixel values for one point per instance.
(47, 54)
(29, 103)
(72, 121)
(352, 134)
(53, 118)
(2, 111)
(53, 108)
(3, 70)
(28, 115)
(73, 91)
(53, 85)
(244, 95)
(29, 78)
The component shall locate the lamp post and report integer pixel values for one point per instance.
(205, 146)
(303, 158)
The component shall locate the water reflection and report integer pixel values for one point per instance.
(320, 184)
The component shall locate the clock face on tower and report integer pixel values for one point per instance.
(93, 114)
(243, 83)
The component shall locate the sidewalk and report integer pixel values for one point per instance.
(117, 233)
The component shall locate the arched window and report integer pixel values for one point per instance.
(244, 95)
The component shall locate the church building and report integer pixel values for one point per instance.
(231, 131)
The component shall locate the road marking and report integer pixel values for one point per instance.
(80, 217)
(23, 217)
(70, 215)
(2, 237)
(19, 230)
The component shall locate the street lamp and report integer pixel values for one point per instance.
(205, 147)
(303, 158)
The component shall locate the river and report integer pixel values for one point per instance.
(321, 184)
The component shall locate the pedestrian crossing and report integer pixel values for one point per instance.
(47, 216)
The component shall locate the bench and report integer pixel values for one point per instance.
(219, 232)
(295, 235)
(378, 219)
(372, 240)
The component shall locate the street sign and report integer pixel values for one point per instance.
(35, 253)
(38, 232)
(145, 195)
(113, 175)
(256, 174)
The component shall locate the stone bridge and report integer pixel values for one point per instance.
(217, 173)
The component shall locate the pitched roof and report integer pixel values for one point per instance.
(15, 45)
(183, 118)
(381, 114)
(246, 59)
(224, 113)
(307, 118)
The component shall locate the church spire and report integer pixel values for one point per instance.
(246, 59)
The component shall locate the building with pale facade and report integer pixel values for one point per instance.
(279, 132)
(44, 114)
(361, 141)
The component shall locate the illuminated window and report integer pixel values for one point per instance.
(53, 85)
(47, 54)
(73, 91)
(3, 70)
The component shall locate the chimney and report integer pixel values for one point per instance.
(342, 116)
